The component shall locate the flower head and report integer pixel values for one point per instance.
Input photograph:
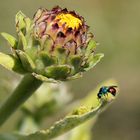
(54, 44)
(65, 28)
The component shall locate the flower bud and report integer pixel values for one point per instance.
(55, 44)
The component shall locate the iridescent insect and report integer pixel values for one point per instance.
(105, 90)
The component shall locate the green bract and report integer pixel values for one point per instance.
(54, 45)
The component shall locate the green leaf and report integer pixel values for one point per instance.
(11, 40)
(61, 54)
(63, 126)
(46, 59)
(23, 40)
(76, 61)
(43, 60)
(93, 60)
(60, 72)
(76, 76)
(11, 63)
(20, 23)
(90, 109)
(84, 131)
(47, 43)
(87, 113)
(28, 23)
(43, 78)
(91, 46)
(27, 62)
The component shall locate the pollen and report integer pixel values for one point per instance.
(70, 20)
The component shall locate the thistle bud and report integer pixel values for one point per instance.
(54, 44)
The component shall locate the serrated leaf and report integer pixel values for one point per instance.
(60, 127)
(64, 125)
(93, 60)
(87, 113)
(27, 62)
(11, 40)
(11, 63)
(90, 109)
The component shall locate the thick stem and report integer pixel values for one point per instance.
(24, 90)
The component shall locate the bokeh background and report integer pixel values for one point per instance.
(116, 26)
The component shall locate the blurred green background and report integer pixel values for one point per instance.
(115, 25)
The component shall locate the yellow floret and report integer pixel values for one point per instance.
(70, 20)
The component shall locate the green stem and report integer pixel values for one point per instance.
(24, 90)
